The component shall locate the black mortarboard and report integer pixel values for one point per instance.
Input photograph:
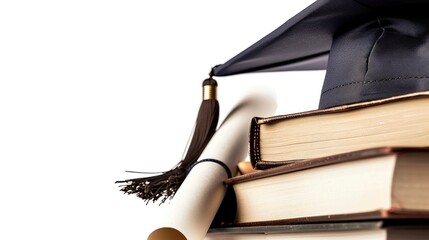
(372, 49)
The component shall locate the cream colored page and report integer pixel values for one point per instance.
(190, 213)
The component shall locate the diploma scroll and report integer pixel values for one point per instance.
(190, 213)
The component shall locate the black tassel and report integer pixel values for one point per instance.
(164, 186)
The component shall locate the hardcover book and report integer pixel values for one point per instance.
(397, 121)
(377, 230)
(380, 183)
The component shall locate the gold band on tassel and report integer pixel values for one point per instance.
(209, 92)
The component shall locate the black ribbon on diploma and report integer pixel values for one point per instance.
(214, 161)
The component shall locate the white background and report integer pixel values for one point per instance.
(89, 89)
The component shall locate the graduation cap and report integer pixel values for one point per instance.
(372, 49)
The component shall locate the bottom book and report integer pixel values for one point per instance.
(345, 231)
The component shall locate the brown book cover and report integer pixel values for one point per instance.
(322, 161)
(390, 215)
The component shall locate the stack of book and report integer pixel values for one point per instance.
(359, 171)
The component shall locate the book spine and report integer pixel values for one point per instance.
(254, 147)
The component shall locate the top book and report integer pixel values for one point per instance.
(400, 121)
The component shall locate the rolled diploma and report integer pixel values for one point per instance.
(191, 211)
